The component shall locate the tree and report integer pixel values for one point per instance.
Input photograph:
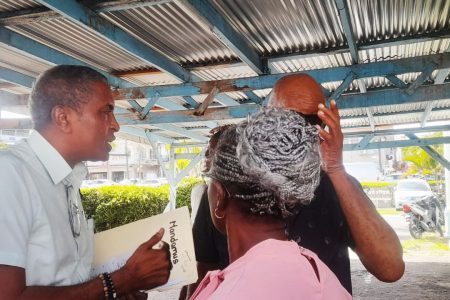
(421, 162)
(183, 163)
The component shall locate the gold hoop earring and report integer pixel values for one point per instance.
(217, 216)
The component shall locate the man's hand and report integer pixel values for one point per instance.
(148, 267)
(332, 141)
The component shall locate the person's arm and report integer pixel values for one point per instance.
(375, 242)
(145, 269)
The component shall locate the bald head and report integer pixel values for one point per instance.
(299, 92)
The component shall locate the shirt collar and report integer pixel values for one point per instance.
(54, 163)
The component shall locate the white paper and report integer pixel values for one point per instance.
(113, 247)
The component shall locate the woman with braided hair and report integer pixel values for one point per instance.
(262, 170)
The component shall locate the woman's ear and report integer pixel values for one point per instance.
(60, 118)
(222, 197)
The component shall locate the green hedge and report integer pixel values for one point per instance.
(377, 184)
(113, 206)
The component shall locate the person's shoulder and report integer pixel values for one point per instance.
(15, 159)
(12, 156)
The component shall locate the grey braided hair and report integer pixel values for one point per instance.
(271, 162)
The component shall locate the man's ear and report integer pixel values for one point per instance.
(60, 117)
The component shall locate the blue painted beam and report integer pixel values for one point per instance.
(385, 132)
(402, 143)
(253, 97)
(424, 75)
(431, 152)
(140, 132)
(227, 34)
(16, 77)
(183, 132)
(427, 113)
(226, 100)
(87, 18)
(384, 68)
(343, 86)
(369, 99)
(442, 73)
(109, 6)
(346, 22)
(29, 47)
(396, 81)
(364, 142)
(192, 103)
(370, 117)
(394, 96)
(191, 165)
(169, 105)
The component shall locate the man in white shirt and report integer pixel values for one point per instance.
(46, 247)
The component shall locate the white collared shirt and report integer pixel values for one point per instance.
(35, 231)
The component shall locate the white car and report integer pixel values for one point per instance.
(409, 190)
(150, 182)
(97, 183)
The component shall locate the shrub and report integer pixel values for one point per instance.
(113, 206)
(184, 191)
(118, 205)
(377, 184)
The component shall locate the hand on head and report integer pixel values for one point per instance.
(332, 140)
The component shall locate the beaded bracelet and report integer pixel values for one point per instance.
(108, 286)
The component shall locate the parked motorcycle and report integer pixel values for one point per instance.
(425, 215)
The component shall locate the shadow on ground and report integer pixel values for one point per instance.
(422, 280)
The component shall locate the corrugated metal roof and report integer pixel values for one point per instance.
(84, 44)
(285, 26)
(385, 19)
(175, 31)
(224, 72)
(12, 5)
(13, 59)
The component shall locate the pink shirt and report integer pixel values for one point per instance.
(272, 269)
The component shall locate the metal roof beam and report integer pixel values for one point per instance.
(369, 99)
(183, 132)
(431, 152)
(27, 16)
(396, 81)
(87, 18)
(143, 133)
(343, 86)
(29, 47)
(375, 44)
(424, 75)
(16, 77)
(385, 132)
(392, 67)
(371, 119)
(346, 22)
(427, 113)
(364, 142)
(191, 165)
(108, 6)
(401, 143)
(442, 73)
(227, 34)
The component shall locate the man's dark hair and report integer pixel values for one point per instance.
(63, 85)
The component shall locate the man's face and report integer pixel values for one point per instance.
(94, 129)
